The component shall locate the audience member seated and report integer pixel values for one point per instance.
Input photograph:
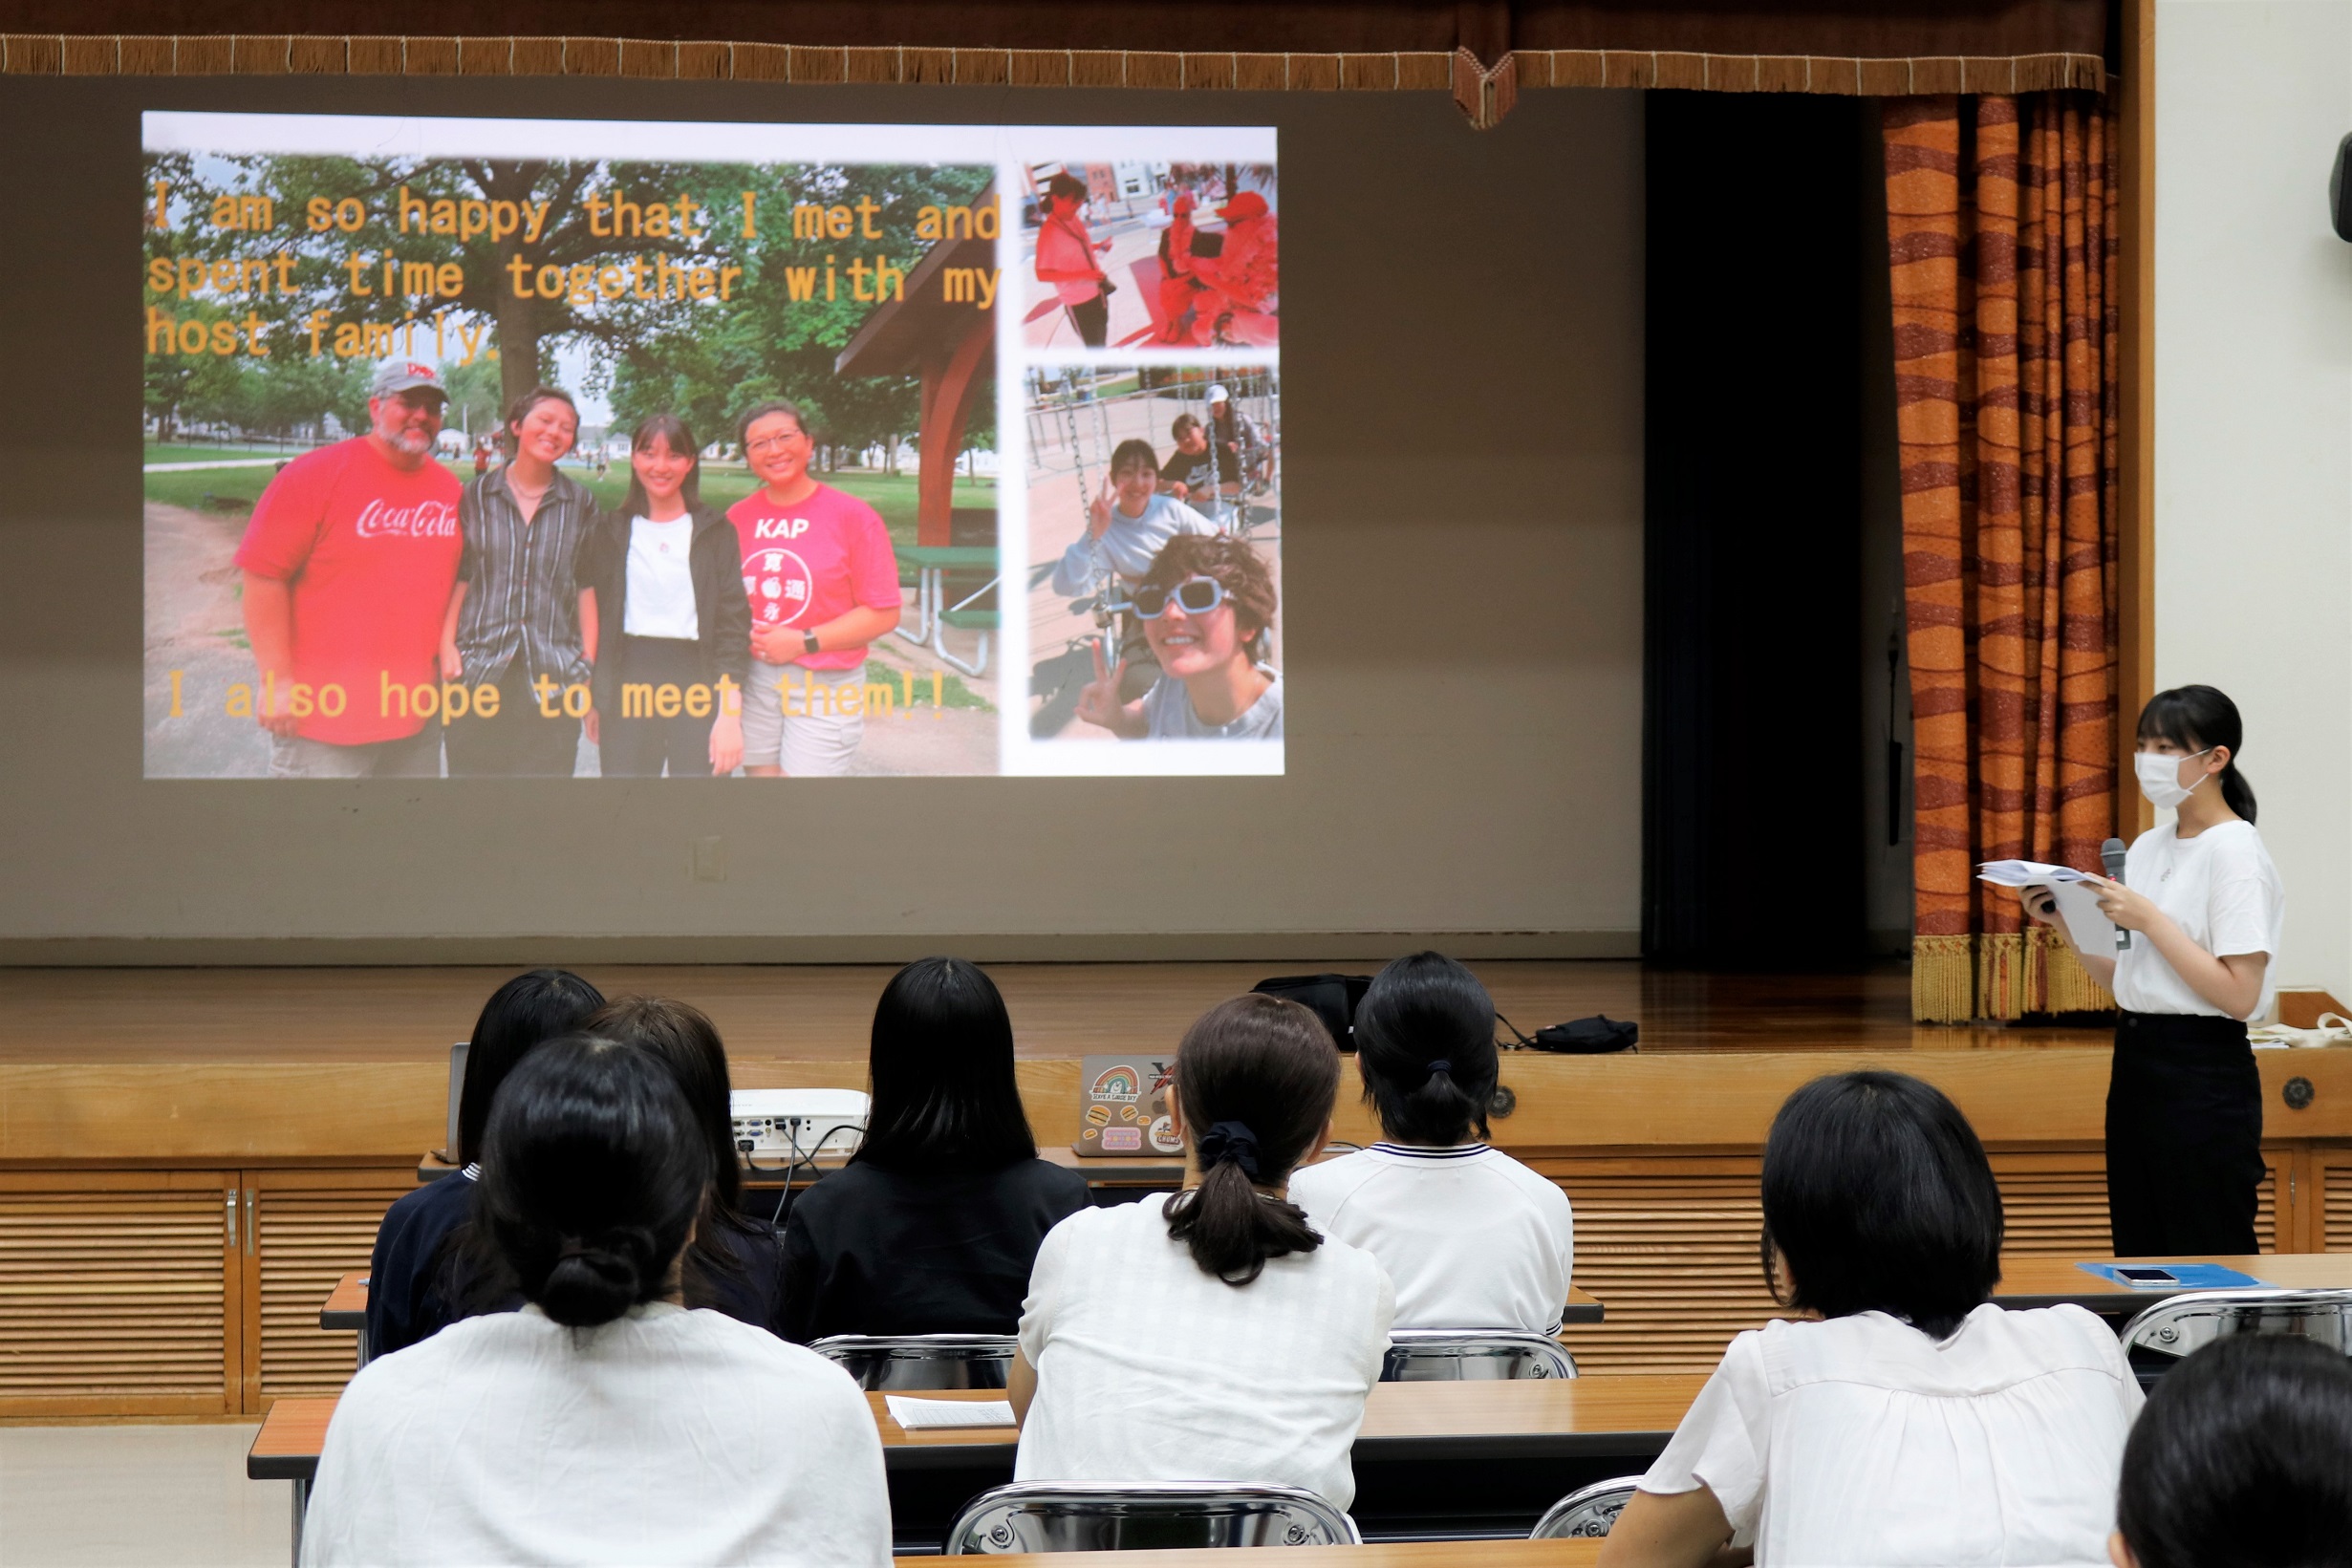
(1471, 1238)
(411, 1289)
(604, 1421)
(1216, 1336)
(734, 1264)
(932, 1226)
(2242, 1459)
(1917, 1423)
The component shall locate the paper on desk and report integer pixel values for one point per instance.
(2076, 892)
(916, 1414)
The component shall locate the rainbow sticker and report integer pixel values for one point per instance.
(1119, 1083)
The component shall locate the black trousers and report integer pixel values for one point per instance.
(2184, 1136)
(1092, 319)
(637, 748)
(520, 741)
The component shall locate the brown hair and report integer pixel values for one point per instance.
(1239, 568)
(1257, 1077)
(520, 410)
(1185, 425)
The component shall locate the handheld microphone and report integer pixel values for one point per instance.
(2111, 855)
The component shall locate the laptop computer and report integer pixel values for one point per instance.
(1123, 1106)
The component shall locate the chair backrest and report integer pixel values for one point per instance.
(1472, 1355)
(457, 1095)
(1586, 1512)
(2162, 1334)
(902, 1362)
(1106, 1517)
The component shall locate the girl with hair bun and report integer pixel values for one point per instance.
(1471, 1238)
(2203, 903)
(1215, 1336)
(604, 1421)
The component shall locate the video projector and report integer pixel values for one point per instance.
(798, 1122)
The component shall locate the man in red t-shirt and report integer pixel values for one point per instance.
(823, 582)
(348, 564)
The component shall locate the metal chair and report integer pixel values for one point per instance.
(2159, 1336)
(903, 1362)
(1472, 1355)
(1108, 1517)
(1588, 1512)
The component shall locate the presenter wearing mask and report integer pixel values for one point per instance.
(2204, 908)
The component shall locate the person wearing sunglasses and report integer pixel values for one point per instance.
(1127, 527)
(1207, 608)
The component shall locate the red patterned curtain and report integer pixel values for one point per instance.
(2001, 224)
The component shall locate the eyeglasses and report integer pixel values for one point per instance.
(1196, 595)
(773, 444)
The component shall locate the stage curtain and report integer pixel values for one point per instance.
(2002, 232)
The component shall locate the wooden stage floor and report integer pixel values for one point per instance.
(823, 1011)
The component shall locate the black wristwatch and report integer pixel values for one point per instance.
(807, 643)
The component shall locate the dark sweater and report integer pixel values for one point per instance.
(869, 1251)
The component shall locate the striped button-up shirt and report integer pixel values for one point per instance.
(522, 579)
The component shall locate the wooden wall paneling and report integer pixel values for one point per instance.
(2055, 1204)
(309, 1229)
(2328, 1199)
(117, 1292)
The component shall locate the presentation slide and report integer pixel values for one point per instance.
(598, 448)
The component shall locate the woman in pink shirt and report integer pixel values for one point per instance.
(1066, 259)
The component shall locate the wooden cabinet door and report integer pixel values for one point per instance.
(308, 1228)
(119, 1292)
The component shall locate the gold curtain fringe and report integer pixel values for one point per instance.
(2000, 975)
(1490, 90)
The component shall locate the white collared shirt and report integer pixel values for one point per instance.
(1471, 1238)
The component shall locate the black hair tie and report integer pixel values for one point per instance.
(1229, 1141)
(1442, 1065)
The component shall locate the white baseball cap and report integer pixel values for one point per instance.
(1218, 395)
(400, 376)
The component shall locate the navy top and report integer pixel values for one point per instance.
(413, 1287)
(404, 1298)
(869, 1251)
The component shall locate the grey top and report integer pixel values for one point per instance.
(1128, 544)
(1167, 708)
(523, 579)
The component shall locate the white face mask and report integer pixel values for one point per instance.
(2159, 778)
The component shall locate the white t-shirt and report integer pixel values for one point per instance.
(1861, 1443)
(2222, 890)
(663, 1436)
(1127, 543)
(1471, 1238)
(660, 599)
(1149, 1369)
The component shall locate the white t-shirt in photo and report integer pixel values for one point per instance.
(1861, 1443)
(2220, 888)
(1149, 1369)
(1470, 1238)
(666, 1437)
(660, 599)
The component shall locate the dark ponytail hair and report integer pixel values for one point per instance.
(2243, 1455)
(1255, 1078)
(2198, 718)
(593, 1173)
(1425, 1044)
(520, 1014)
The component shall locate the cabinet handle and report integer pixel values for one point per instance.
(228, 1204)
(253, 1221)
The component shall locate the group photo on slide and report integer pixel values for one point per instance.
(477, 461)
(1141, 255)
(1154, 529)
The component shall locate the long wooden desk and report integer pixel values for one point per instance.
(2053, 1282)
(345, 1306)
(1488, 1553)
(1433, 1458)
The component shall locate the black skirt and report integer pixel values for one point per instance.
(2184, 1136)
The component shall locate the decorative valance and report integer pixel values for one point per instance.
(1484, 52)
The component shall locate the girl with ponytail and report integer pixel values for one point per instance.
(1218, 1336)
(2202, 908)
(604, 1421)
(1471, 1238)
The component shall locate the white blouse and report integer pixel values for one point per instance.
(666, 1437)
(2222, 890)
(1149, 1371)
(1861, 1443)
